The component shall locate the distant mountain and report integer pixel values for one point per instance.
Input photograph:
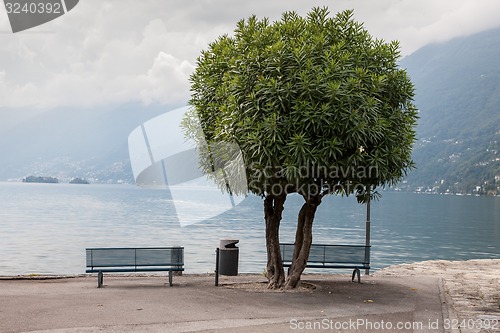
(71, 143)
(458, 95)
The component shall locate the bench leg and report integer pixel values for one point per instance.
(358, 273)
(170, 278)
(100, 279)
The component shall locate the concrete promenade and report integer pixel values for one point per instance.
(323, 303)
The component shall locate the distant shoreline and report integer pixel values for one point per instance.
(19, 180)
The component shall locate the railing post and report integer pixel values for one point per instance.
(368, 235)
(217, 267)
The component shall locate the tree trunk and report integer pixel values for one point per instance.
(299, 233)
(303, 241)
(273, 209)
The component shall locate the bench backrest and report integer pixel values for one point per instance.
(339, 254)
(135, 257)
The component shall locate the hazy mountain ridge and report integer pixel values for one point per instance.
(458, 95)
(67, 143)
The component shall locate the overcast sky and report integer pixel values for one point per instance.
(110, 52)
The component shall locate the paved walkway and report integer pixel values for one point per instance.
(328, 303)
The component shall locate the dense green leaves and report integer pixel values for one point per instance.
(313, 100)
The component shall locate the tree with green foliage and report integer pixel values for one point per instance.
(316, 106)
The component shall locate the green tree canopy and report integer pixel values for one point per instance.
(316, 105)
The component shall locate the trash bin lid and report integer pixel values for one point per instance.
(228, 243)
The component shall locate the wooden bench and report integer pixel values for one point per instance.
(144, 259)
(354, 257)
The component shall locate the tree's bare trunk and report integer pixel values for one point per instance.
(299, 233)
(303, 241)
(273, 209)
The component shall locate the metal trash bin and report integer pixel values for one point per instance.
(228, 257)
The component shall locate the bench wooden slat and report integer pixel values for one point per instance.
(131, 270)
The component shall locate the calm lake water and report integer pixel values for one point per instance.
(45, 228)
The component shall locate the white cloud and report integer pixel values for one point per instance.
(119, 51)
(465, 18)
(418, 23)
(95, 69)
(167, 80)
(17, 94)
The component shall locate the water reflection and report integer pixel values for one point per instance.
(45, 228)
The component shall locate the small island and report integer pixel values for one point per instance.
(79, 181)
(35, 179)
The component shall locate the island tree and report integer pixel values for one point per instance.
(316, 106)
